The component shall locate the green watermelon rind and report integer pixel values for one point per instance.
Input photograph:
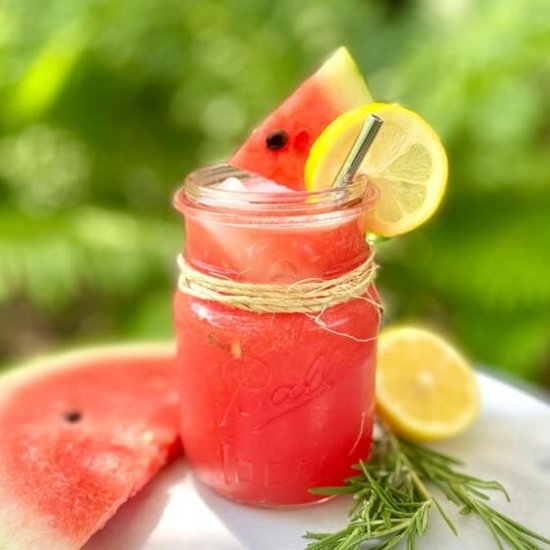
(339, 68)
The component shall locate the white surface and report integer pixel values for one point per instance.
(509, 443)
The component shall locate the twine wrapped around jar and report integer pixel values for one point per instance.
(306, 296)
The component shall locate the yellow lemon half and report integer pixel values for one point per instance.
(425, 390)
(406, 162)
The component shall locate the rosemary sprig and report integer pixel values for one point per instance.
(392, 502)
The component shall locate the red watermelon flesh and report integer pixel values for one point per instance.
(79, 435)
(279, 147)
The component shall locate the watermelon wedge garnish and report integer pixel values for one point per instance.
(80, 434)
(279, 147)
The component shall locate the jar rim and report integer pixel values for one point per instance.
(200, 195)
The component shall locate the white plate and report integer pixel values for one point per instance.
(510, 443)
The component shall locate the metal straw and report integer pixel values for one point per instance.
(358, 151)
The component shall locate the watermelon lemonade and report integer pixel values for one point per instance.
(273, 404)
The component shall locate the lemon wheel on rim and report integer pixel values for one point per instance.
(406, 162)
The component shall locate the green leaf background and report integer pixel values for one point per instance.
(105, 106)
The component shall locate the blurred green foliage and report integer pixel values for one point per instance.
(105, 105)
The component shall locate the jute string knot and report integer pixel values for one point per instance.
(305, 296)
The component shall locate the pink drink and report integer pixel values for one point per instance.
(274, 404)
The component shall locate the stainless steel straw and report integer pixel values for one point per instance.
(358, 151)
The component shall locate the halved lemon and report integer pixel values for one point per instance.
(407, 162)
(425, 390)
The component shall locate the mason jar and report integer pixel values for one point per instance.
(276, 402)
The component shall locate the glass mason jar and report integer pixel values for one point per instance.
(273, 404)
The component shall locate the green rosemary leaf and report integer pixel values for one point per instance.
(382, 495)
(365, 490)
(392, 542)
(446, 518)
(351, 541)
(330, 540)
(492, 528)
(514, 539)
(358, 508)
(520, 527)
(432, 455)
(478, 494)
(489, 485)
(367, 519)
(497, 534)
(444, 488)
(421, 522)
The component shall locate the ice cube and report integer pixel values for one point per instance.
(243, 247)
(259, 185)
(231, 184)
(253, 185)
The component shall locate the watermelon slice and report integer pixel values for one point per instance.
(279, 147)
(79, 435)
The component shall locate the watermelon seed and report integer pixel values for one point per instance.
(276, 140)
(73, 416)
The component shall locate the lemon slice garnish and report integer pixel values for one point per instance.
(406, 162)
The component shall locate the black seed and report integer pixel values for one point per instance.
(73, 416)
(276, 140)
